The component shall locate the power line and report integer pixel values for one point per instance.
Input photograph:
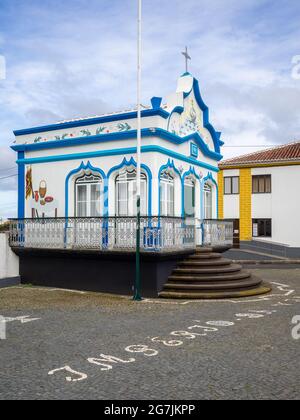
(7, 169)
(9, 176)
(258, 145)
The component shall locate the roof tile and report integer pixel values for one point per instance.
(285, 153)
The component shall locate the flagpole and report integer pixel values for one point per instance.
(137, 286)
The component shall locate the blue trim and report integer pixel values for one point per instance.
(191, 171)
(156, 102)
(102, 138)
(177, 110)
(117, 152)
(132, 162)
(187, 73)
(90, 121)
(214, 134)
(194, 150)
(209, 177)
(170, 165)
(81, 167)
(166, 135)
(21, 185)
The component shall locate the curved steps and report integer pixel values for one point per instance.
(207, 275)
(217, 295)
(206, 263)
(251, 281)
(231, 277)
(212, 256)
(233, 268)
(203, 250)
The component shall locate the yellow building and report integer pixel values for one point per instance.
(260, 193)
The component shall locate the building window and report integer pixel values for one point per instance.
(166, 194)
(126, 193)
(231, 185)
(87, 196)
(189, 197)
(262, 228)
(261, 184)
(207, 201)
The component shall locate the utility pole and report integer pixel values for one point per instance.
(137, 287)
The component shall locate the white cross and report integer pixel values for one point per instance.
(187, 57)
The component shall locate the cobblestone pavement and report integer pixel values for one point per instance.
(70, 345)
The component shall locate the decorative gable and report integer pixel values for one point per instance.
(190, 115)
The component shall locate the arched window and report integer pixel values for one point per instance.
(167, 194)
(87, 195)
(207, 201)
(189, 197)
(126, 193)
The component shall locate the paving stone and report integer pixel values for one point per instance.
(256, 358)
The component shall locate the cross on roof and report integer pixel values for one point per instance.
(187, 57)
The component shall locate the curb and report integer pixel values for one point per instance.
(266, 262)
(9, 282)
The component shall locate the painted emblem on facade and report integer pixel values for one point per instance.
(40, 201)
(190, 121)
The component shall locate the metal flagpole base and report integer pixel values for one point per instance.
(137, 286)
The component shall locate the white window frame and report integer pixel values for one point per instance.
(88, 180)
(191, 183)
(208, 204)
(128, 177)
(167, 194)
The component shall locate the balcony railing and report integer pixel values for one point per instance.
(217, 233)
(111, 233)
(118, 233)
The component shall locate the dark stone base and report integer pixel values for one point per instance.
(107, 272)
(11, 281)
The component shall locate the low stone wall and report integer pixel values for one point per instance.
(9, 263)
(272, 248)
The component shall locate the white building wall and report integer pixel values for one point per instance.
(55, 175)
(231, 202)
(231, 205)
(282, 205)
(262, 205)
(9, 262)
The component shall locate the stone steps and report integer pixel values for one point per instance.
(200, 250)
(220, 285)
(206, 275)
(194, 279)
(204, 270)
(205, 263)
(212, 256)
(229, 294)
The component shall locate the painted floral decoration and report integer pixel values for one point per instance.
(123, 127)
(86, 133)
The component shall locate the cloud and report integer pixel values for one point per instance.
(77, 58)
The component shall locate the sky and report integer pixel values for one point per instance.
(75, 58)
